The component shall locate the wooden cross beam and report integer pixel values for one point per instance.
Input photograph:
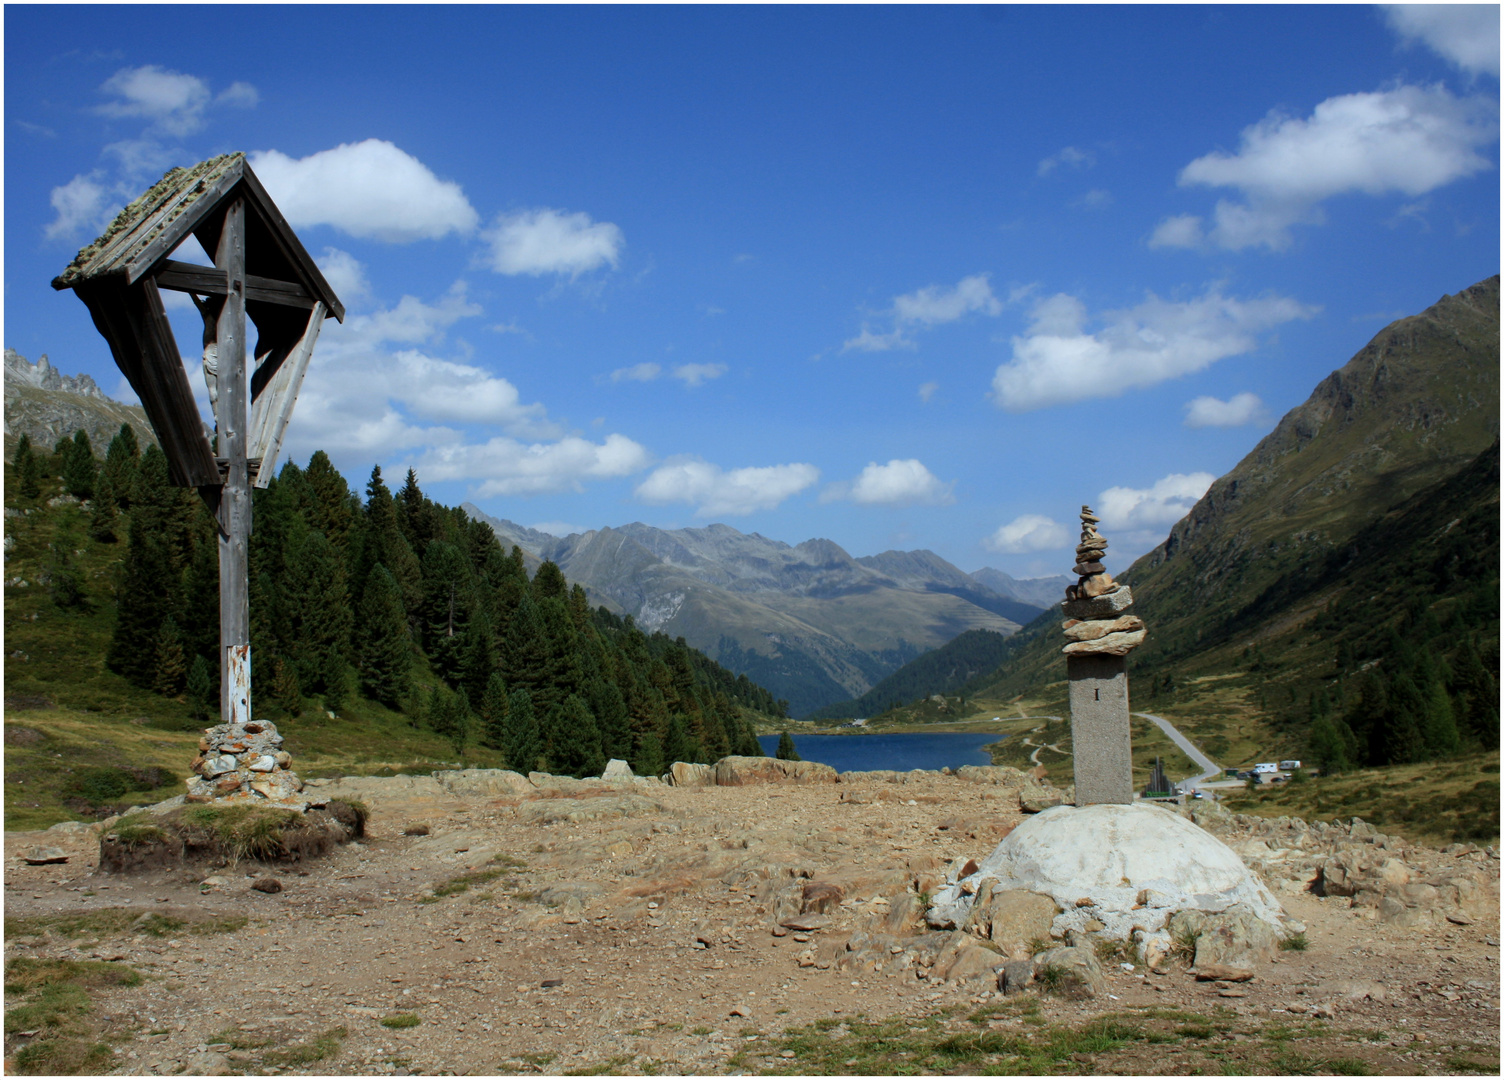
(261, 272)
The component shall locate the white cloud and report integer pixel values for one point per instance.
(1464, 34)
(547, 241)
(1181, 231)
(898, 483)
(1026, 533)
(82, 201)
(1058, 362)
(140, 157)
(173, 102)
(1240, 409)
(1156, 507)
(506, 466)
(1071, 156)
(927, 390)
(637, 373)
(695, 374)
(1410, 139)
(938, 304)
(242, 95)
(413, 322)
(368, 189)
(867, 341)
(720, 493)
(345, 274)
(1096, 199)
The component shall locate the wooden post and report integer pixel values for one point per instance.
(234, 514)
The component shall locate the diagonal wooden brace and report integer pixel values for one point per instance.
(272, 409)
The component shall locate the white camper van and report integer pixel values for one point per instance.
(1289, 765)
(1265, 767)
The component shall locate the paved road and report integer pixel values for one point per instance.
(1210, 767)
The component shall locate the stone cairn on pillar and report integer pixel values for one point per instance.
(1095, 607)
(245, 763)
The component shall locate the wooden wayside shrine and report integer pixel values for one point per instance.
(260, 271)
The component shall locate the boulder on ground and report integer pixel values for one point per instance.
(1011, 918)
(618, 772)
(1070, 972)
(1108, 855)
(690, 774)
(1234, 940)
(484, 782)
(736, 771)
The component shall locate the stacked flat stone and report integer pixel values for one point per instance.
(240, 762)
(1096, 619)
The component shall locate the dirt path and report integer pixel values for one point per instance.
(637, 935)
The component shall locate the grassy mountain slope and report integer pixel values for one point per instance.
(808, 621)
(1414, 407)
(940, 671)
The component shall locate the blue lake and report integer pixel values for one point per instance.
(902, 751)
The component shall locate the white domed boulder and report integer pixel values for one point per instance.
(1116, 868)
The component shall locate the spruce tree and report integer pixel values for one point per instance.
(104, 515)
(448, 597)
(170, 663)
(149, 586)
(315, 608)
(493, 713)
(573, 741)
(120, 463)
(1407, 707)
(203, 691)
(448, 716)
(524, 743)
(336, 681)
(79, 469)
(383, 648)
(611, 718)
(28, 469)
(65, 584)
(786, 751)
(285, 689)
(199, 611)
(477, 655)
(677, 746)
(647, 755)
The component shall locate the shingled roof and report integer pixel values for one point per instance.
(145, 233)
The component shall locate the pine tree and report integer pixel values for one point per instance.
(678, 746)
(315, 609)
(573, 741)
(448, 597)
(647, 755)
(549, 581)
(28, 469)
(285, 689)
(477, 654)
(786, 751)
(104, 515)
(65, 584)
(611, 718)
(383, 647)
(1438, 724)
(199, 612)
(1331, 751)
(203, 691)
(493, 713)
(170, 664)
(449, 716)
(1407, 707)
(524, 743)
(149, 588)
(336, 681)
(79, 469)
(120, 463)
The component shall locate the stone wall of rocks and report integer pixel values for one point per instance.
(245, 762)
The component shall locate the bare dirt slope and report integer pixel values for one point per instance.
(632, 930)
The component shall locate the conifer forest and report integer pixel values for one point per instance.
(398, 599)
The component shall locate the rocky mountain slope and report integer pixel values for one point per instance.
(47, 405)
(1413, 409)
(809, 622)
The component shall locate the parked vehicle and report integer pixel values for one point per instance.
(1289, 765)
(1266, 767)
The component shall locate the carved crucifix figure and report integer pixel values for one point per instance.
(208, 309)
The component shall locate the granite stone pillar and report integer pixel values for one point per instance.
(1100, 742)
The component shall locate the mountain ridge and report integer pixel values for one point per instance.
(808, 620)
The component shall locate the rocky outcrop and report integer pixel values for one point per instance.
(736, 771)
(47, 406)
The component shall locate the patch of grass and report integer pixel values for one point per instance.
(321, 1048)
(98, 925)
(1295, 943)
(238, 1040)
(137, 834)
(702, 1030)
(609, 1067)
(56, 1005)
(1183, 945)
(401, 1020)
(243, 830)
(539, 1060)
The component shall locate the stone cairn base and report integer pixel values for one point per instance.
(245, 762)
(1096, 608)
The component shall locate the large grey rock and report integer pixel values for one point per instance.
(1100, 607)
(618, 771)
(1011, 918)
(690, 774)
(1120, 866)
(1119, 644)
(484, 782)
(1070, 972)
(1232, 940)
(736, 771)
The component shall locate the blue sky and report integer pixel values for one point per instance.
(901, 277)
